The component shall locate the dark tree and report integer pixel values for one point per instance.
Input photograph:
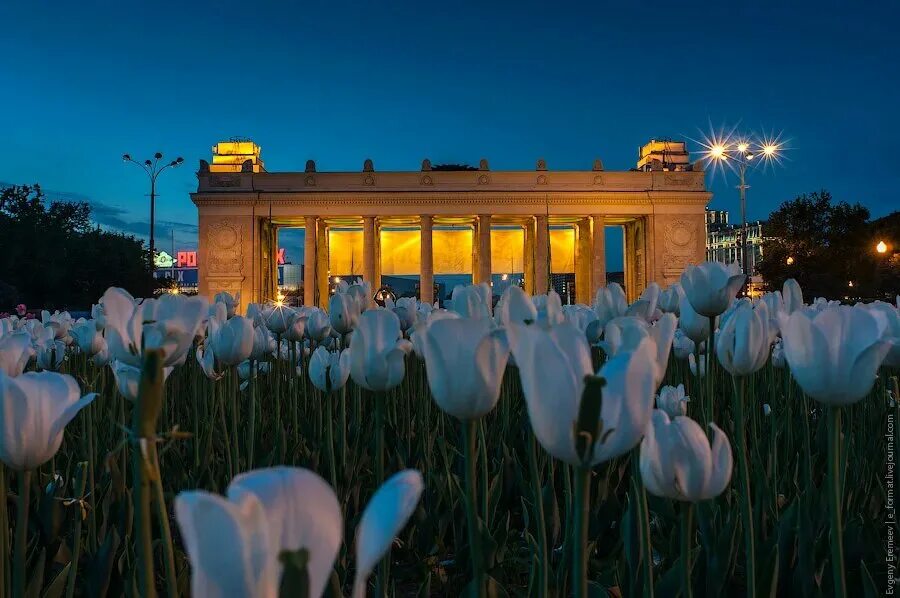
(50, 256)
(823, 244)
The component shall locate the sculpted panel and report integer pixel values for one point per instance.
(225, 247)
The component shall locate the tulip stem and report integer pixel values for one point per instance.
(469, 438)
(328, 405)
(163, 515)
(687, 542)
(744, 479)
(643, 522)
(4, 534)
(251, 403)
(834, 497)
(76, 537)
(21, 533)
(538, 498)
(381, 578)
(580, 531)
(145, 416)
(235, 390)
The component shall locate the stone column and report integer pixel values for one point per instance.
(528, 256)
(484, 248)
(322, 267)
(426, 254)
(583, 262)
(369, 253)
(629, 260)
(309, 261)
(598, 263)
(541, 254)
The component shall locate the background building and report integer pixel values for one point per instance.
(723, 243)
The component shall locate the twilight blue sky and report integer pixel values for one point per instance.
(83, 82)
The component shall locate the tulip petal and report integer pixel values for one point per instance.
(228, 546)
(722, 463)
(386, 514)
(301, 511)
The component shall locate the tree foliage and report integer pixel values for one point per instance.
(51, 256)
(828, 244)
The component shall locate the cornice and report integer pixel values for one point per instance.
(434, 199)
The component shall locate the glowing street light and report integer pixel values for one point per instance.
(790, 260)
(742, 153)
(881, 247)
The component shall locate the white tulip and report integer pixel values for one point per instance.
(711, 287)
(230, 302)
(15, 351)
(778, 354)
(301, 511)
(88, 337)
(233, 341)
(329, 371)
(49, 351)
(677, 462)
(128, 378)
(278, 318)
(610, 302)
(263, 343)
(472, 301)
(386, 514)
(465, 360)
(888, 318)
(343, 311)
(834, 354)
(549, 309)
(168, 323)
(580, 316)
(34, 410)
(362, 291)
(695, 326)
(682, 345)
(670, 299)
(672, 400)
(645, 307)
(228, 545)
(515, 306)
(234, 543)
(318, 325)
(297, 331)
(745, 339)
(376, 354)
(206, 357)
(553, 364)
(792, 296)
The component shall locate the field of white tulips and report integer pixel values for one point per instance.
(690, 443)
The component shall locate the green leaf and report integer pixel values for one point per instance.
(58, 585)
(870, 589)
(588, 427)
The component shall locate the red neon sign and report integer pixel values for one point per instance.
(188, 259)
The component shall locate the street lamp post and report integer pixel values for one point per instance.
(153, 168)
(742, 154)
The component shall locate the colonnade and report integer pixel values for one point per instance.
(589, 252)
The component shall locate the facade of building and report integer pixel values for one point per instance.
(476, 222)
(723, 240)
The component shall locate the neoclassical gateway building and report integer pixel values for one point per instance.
(447, 220)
